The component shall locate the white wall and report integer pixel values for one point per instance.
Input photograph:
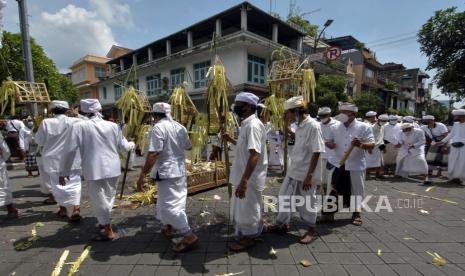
(233, 57)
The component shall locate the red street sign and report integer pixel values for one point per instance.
(333, 53)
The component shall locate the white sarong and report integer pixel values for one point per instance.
(456, 167)
(246, 213)
(307, 212)
(102, 196)
(409, 164)
(276, 157)
(391, 155)
(374, 159)
(6, 197)
(171, 203)
(69, 194)
(45, 179)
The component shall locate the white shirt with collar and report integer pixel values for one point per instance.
(99, 143)
(171, 140)
(51, 136)
(392, 133)
(14, 125)
(342, 136)
(325, 130)
(308, 140)
(415, 138)
(438, 130)
(252, 136)
(457, 134)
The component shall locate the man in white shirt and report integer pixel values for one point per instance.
(326, 123)
(304, 174)
(435, 156)
(456, 140)
(166, 159)
(411, 120)
(391, 136)
(411, 157)
(348, 178)
(248, 172)
(375, 157)
(99, 143)
(51, 135)
(13, 128)
(6, 197)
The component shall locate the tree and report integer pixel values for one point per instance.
(442, 40)
(335, 84)
(310, 29)
(368, 101)
(59, 86)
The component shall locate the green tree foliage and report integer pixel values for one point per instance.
(368, 101)
(300, 21)
(440, 112)
(405, 112)
(330, 90)
(11, 64)
(442, 40)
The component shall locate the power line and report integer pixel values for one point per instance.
(393, 42)
(390, 37)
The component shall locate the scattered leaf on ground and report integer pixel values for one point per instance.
(437, 259)
(379, 252)
(305, 263)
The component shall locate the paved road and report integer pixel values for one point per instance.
(387, 244)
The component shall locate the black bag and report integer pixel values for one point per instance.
(458, 144)
(381, 147)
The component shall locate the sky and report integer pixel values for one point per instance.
(70, 29)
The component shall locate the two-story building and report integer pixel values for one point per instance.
(243, 37)
(87, 71)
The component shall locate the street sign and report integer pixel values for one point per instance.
(333, 53)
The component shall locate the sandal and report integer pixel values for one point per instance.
(49, 201)
(184, 246)
(61, 215)
(168, 232)
(242, 244)
(309, 237)
(357, 221)
(75, 217)
(102, 238)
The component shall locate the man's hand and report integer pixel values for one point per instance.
(62, 180)
(331, 145)
(241, 189)
(356, 142)
(141, 183)
(307, 182)
(398, 146)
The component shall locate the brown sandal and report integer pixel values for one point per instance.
(242, 244)
(168, 232)
(184, 246)
(309, 237)
(357, 221)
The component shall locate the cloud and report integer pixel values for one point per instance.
(113, 12)
(71, 33)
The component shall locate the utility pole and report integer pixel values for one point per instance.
(27, 55)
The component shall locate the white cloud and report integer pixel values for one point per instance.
(71, 33)
(113, 12)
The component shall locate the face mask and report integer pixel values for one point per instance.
(30, 125)
(325, 120)
(343, 118)
(393, 123)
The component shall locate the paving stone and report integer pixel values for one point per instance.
(333, 269)
(164, 270)
(346, 258)
(369, 258)
(246, 270)
(357, 270)
(144, 270)
(381, 270)
(392, 258)
(405, 269)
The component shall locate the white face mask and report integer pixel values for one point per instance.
(343, 118)
(325, 120)
(393, 123)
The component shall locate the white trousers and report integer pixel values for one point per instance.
(171, 203)
(374, 159)
(69, 194)
(102, 196)
(246, 213)
(45, 178)
(6, 197)
(308, 212)
(456, 168)
(412, 164)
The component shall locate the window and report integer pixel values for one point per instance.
(153, 85)
(177, 77)
(369, 73)
(200, 72)
(118, 91)
(79, 75)
(99, 72)
(255, 69)
(104, 92)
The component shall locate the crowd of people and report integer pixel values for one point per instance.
(329, 155)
